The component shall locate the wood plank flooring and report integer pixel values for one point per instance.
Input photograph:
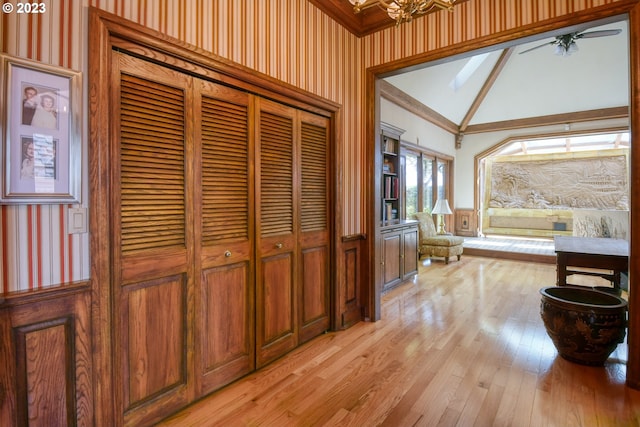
(461, 345)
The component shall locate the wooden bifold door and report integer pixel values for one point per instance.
(220, 204)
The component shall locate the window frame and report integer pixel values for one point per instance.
(436, 159)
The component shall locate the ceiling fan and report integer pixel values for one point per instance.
(566, 44)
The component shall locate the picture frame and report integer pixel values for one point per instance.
(41, 141)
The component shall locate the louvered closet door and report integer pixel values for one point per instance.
(315, 254)
(153, 237)
(276, 298)
(225, 296)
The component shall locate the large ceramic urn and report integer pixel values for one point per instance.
(585, 325)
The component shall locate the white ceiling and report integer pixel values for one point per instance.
(532, 84)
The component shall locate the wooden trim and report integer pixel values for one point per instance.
(435, 154)
(633, 364)
(486, 87)
(494, 41)
(552, 119)
(16, 299)
(515, 256)
(412, 105)
(352, 237)
(145, 42)
(409, 103)
(369, 20)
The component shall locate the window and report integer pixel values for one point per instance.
(411, 174)
(427, 184)
(426, 177)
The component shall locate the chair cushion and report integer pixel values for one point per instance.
(441, 251)
(442, 240)
(425, 225)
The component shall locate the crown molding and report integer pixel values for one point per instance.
(369, 20)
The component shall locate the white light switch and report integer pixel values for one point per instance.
(77, 220)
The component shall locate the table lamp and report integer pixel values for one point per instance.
(441, 208)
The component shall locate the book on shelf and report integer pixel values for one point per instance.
(388, 212)
(389, 145)
(388, 191)
(391, 188)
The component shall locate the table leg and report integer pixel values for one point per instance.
(561, 269)
(616, 279)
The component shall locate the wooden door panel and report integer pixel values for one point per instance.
(276, 303)
(161, 263)
(276, 327)
(391, 254)
(154, 237)
(314, 307)
(154, 319)
(46, 359)
(410, 253)
(227, 325)
(349, 300)
(44, 364)
(315, 226)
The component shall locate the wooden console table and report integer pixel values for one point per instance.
(591, 252)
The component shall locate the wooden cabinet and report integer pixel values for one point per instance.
(409, 254)
(398, 239)
(399, 253)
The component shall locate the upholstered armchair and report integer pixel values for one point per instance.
(434, 244)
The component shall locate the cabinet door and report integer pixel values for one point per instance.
(276, 302)
(391, 247)
(410, 252)
(224, 333)
(314, 272)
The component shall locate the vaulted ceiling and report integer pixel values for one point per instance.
(509, 89)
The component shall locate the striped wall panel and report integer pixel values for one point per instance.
(36, 249)
(290, 40)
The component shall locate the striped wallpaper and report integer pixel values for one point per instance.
(36, 249)
(290, 40)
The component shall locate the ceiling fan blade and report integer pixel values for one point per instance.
(599, 33)
(538, 47)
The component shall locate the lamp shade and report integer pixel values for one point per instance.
(442, 207)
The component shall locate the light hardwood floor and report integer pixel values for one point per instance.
(462, 345)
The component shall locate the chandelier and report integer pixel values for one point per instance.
(403, 10)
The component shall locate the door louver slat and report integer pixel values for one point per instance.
(225, 179)
(276, 154)
(314, 178)
(152, 209)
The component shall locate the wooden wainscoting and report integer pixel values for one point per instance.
(351, 286)
(45, 354)
(466, 222)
